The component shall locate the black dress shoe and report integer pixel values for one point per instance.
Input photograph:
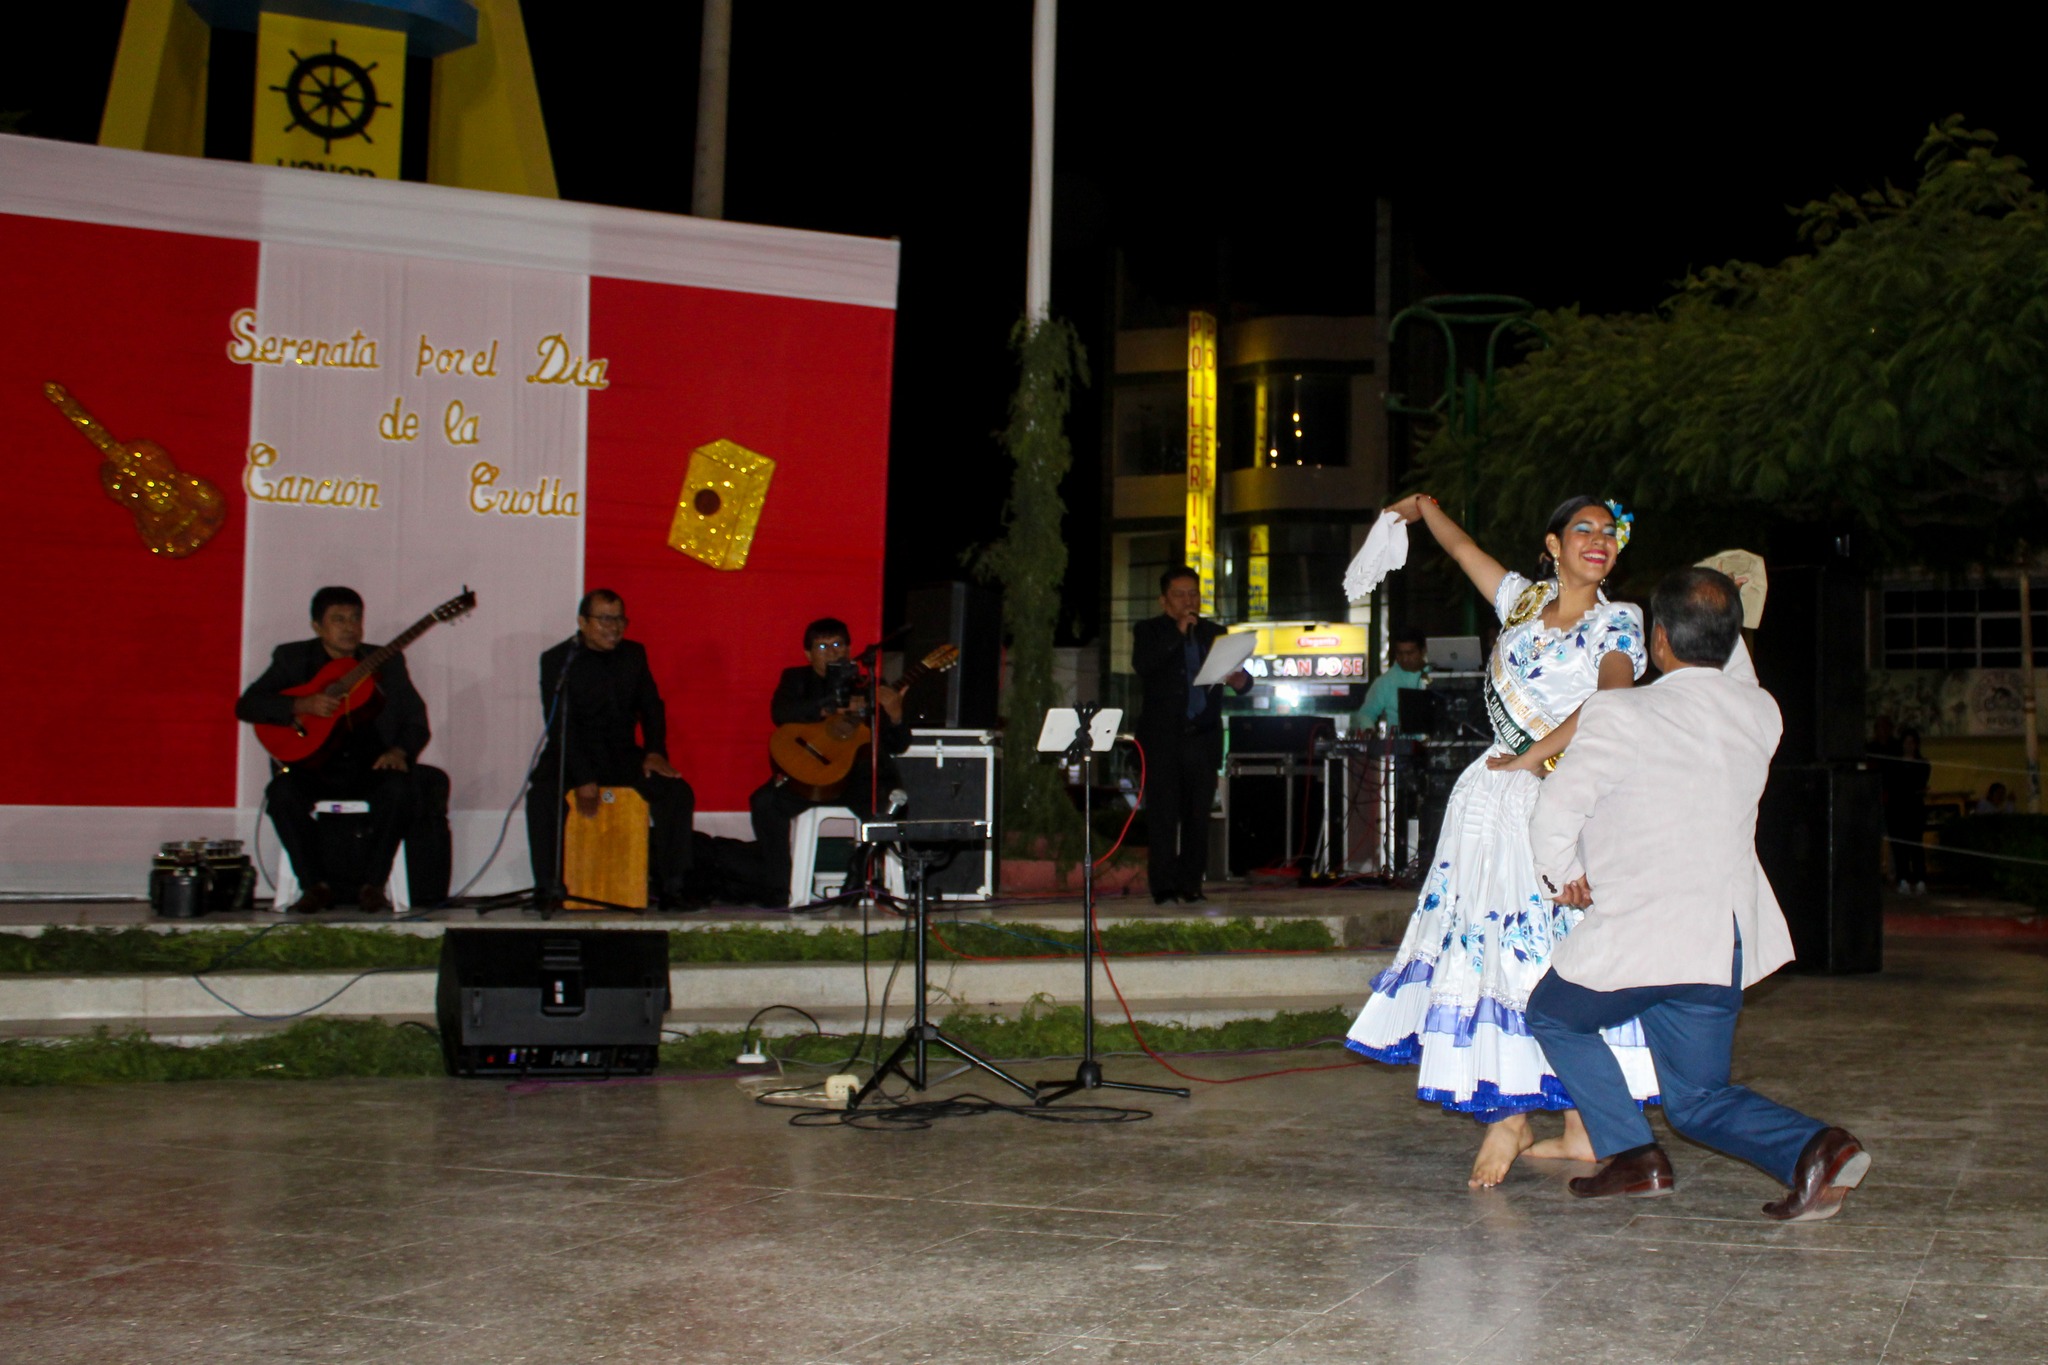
(1191, 897)
(1164, 897)
(1644, 1173)
(1832, 1164)
(372, 900)
(313, 899)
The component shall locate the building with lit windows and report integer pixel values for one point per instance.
(1300, 471)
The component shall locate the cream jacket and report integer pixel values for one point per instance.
(1655, 805)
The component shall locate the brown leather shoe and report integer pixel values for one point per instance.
(1833, 1164)
(313, 899)
(372, 900)
(1642, 1174)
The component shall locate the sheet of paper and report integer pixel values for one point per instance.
(1063, 722)
(1226, 656)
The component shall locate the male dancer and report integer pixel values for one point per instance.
(1649, 825)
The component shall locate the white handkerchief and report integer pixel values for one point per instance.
(1385, 550)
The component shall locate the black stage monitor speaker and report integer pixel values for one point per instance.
(972, 618)
(551, 1002)
(1818, 832)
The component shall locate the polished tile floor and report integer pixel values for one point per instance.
(1318, 1217)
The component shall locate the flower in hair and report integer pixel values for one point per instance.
(1624, 522)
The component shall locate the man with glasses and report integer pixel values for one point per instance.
(597, 691)
(822, 686)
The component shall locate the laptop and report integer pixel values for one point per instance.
(1455, 653)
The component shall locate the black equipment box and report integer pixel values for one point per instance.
(552, 1002)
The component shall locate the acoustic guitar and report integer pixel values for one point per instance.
(817, 755)
(352, 682)
(175, 512)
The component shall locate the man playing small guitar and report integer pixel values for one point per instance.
(818, 689)
(370, 754)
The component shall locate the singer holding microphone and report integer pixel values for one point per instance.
(1181, 728)
(607, 727)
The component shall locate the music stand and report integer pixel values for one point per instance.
(924, 842)
(1077, 735)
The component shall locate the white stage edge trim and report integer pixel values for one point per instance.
(83, 183)
(106, 850)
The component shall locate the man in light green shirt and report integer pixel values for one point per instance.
(1382, 699)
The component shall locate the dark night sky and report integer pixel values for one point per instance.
(1241, 143)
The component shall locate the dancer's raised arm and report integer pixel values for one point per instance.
(1482, 568)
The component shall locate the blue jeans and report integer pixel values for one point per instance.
(1690, 1030)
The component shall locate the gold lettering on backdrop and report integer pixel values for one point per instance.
(251, 347)
(560, 365)
(361, 495)
(398, 424)
(459, 429)
(544, 499)
(482, 363)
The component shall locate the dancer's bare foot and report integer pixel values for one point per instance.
(1574, 1145)
(1505, 1140)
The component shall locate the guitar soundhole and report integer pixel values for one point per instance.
(706, 502)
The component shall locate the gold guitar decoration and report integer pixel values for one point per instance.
(720, 505)
(175, 512)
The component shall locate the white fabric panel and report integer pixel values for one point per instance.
(45, 179)
(425, 541)
(102, 850)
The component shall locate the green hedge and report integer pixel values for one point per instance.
(320, 1049)
(2009, 836)
(332, 947)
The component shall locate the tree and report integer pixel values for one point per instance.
(1030, 562)
(1887, 381)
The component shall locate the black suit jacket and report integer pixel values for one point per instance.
(401, 723)
(610, 695)
(1159, 659)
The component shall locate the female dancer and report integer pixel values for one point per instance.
(1482, 930)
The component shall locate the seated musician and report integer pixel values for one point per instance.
(617, 731)
(818, 689)
(372, 754)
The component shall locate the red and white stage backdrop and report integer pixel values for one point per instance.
(405, 389)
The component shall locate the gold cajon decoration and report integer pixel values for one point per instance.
(604, 856)
(720, 505)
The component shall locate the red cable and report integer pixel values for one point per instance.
(1134, 807)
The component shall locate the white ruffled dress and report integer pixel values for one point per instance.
(1454, 998)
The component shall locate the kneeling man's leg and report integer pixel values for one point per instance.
(1691, 1036)
(1567, 1019)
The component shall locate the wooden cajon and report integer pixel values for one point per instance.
(604, 856)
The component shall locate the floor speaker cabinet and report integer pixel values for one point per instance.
(1810, 657)
(971, 618)
(957, 775)
(1271, 806)
(551, 1002)
(1818, 831)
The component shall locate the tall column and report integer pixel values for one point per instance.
(1038, 248)
(714, 75)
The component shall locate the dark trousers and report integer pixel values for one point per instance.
(1690, 1030)
(393, 803)
(1180, 787)
(671, 807)
(775, 807)
(1906, 824)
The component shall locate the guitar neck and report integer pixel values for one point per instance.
(88, 426)
(386, 653)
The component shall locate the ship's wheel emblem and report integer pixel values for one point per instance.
(331, 96)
